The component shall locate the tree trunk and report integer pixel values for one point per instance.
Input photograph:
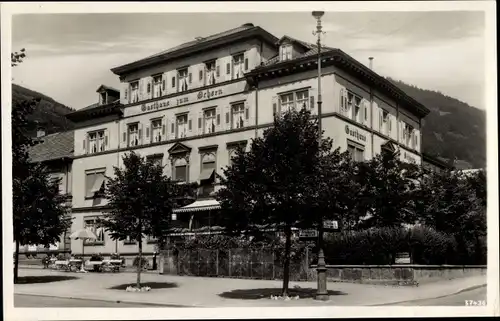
(16, 263)
(286, 263)
(139, 265)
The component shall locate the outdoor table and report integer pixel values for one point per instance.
(112, 265)
(75, 263)
(96, 265)
(62, 265)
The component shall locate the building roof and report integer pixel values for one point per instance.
(201, 43)
(340, 58)
(54, 146)
(107, 88)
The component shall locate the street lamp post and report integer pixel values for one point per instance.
(322, 292)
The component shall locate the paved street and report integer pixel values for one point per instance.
(35, 301)
(452, 300)
(218, 292)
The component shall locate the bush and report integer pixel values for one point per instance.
(431, 247)
(96, 257)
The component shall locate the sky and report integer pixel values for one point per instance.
(70, 55)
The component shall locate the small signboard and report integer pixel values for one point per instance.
(403, 258)
(330, 225)
(308, 234)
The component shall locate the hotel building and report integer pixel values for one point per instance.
(190, 106)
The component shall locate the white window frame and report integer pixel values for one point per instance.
(134, 91)
(209, 121)
(238, 66)
(96, 141)
(156, 130)
(286, 52)
(157, 86)
(385, 122)
(133, 135)
(181, 128)
(182, 80)
(210, 73)
(237, 115)
(294, 103)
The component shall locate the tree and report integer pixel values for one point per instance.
(17, 57)
(454, 203)
(39, 211)
(141, 199)
(388, 191)
(274, 183)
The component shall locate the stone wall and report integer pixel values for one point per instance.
(396, 273)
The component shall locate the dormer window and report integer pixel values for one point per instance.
(286, 52)
(102, 98)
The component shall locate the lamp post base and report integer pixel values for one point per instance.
(322, 292)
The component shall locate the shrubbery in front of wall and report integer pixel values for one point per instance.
(144, 261)
(379, 246)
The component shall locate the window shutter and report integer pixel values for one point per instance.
(147, 131)
(84, 147)
(390, 124)
(247, 111)
(140, 133)
(380, 118)
(201, 75)
(106, 138)
(125, 93)
(163, 130)
(199, 122)
(227, 117)
(311, 102)
(218, 71)
(149, 88)
(342, 100)
(246, 63)
(173, 82)
(190, 77)
(190, 124)
(275, 105)
(218, 119)
(173, 127)
(163, 84)
(124, 137)
(228, 68)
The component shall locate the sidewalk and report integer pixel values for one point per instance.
(204, 292)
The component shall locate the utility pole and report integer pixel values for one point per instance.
(322, 292)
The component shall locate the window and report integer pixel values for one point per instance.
(156, 129)
(294, 100)
(385, 122)
(286, 52)
(237, 115)
(181, 129)
(210, 72)
(209, 121)
(60, 177)
(183, 80)
(238, 65)
(134, 92)
(207, 174)
(94, 183)
(302, 99)
(133, 135)
(354, 104)
(180, 170)
(97, 141)
(157, 85)
(408, 135)
(356, 151)
(287, 102)
(91, 224)
(156, 159)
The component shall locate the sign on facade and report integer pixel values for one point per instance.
(330, 225)
(353, 132)
(308, 234)
(403, 258)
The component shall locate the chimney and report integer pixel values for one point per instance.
(40, 132)
(371, 62)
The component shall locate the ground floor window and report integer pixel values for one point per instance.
(356, 150)
(91, 224)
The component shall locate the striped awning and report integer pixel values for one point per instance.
(201, 205)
